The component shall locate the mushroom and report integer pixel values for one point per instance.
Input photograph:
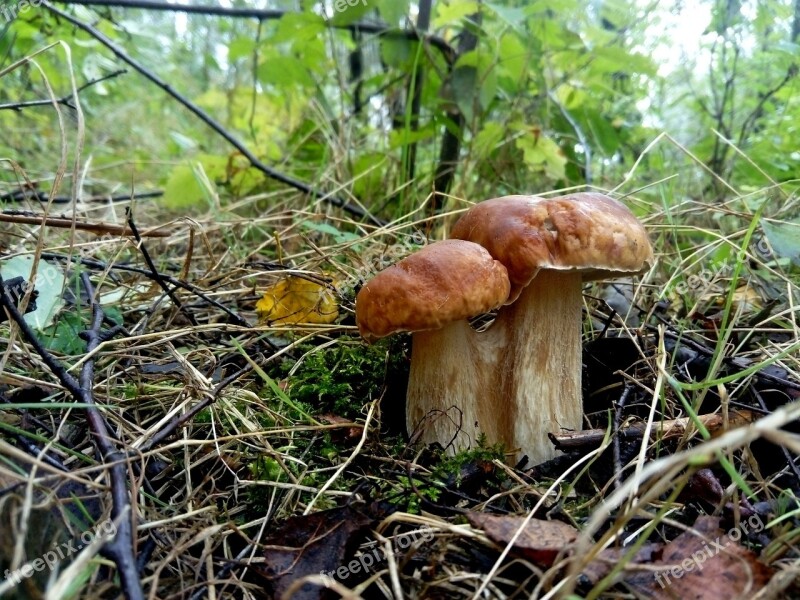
(432, 293)
(549, 247)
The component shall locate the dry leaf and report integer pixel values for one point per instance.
(540, 541)
(704, 564)
(609, 558)
(296, 300)
(311, 544)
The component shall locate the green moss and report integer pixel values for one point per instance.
(453, 466)
(340, 379)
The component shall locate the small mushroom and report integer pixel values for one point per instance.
(432, 293)
(549, 246)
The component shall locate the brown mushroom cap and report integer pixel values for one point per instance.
(441, 283)
(586, 231)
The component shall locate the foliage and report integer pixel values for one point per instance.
(543, 99)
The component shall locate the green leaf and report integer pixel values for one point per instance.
(63, 336)
(184, 143)
(552, 6)
(368, 175)
(598, 126)
(320, 227)
(297, 28)
(488, 138)
(284, 71)
(515, 60)
(189, 185)
(571, 97)
(784, 238)
(613, 58)
(474, 72)
(393, 11)
(182, 188)
(454, 11)
(542, 154)
(241, 47)
(398, 53)
(403, 137)
(513, 17)
(349, 11)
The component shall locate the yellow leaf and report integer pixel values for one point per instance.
(296, 300)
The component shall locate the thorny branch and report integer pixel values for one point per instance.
(121, 548)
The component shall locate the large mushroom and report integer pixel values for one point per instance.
(549, 246)
(432, 293)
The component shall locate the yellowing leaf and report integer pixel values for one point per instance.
(542, 154)
(296, 300)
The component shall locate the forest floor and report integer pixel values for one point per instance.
(266, 454)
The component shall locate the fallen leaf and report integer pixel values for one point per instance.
(703, 564)
(310, 544)
(296, 300)
(704, 485)
(349, 434)
(607, 559)
(540, 541)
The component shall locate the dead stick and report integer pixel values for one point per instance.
(670, 428)
(64, 223)
(121, 548)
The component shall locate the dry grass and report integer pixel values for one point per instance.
(203, 498)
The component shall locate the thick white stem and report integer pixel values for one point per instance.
(450, 396)
(541, 371)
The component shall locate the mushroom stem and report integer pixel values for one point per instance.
(449, 397)
(541, 372)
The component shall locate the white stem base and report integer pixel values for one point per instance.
(515, 383)
(448, 398)
(541, 369)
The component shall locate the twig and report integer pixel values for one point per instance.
(9, 216)
(121, 548)
(65, 100)
(758, 111)
(178, 421)
(156, 275)
(42, 196)
(90, 262)
(678, 336)
(211, 122)
(623, 399)
(662, 430)
(379, 29)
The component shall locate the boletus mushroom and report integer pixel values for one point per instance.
(521, 378)
(549, 247)
(432, 293)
